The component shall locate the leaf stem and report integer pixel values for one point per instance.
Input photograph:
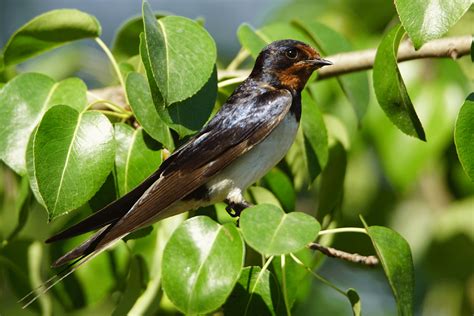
(115, 114)
(112, 60)
(262, 271)
(317, 276)
(283, 281)
(238, 60)
(231, 81)
(343, 230)
(112, 106)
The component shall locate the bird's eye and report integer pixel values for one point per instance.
(291, 53)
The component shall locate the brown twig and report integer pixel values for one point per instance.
(352, 257)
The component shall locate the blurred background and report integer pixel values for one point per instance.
(418, 189)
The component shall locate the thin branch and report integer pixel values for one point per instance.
(352, 257)
(450, 47)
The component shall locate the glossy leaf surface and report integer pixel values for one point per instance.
(73, 154)
(23, 102)
(390, 89)
(182, 54)
(201, 264)
(425, 20)
(270, 231)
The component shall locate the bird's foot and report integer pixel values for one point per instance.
(234, 209)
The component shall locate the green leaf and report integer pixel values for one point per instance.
(282, 187)
(355, 85)
(137, 156)
(390, 89)
(315, 136)
(127, 40)
(331, 187)
(47, 31)
(251, 39)
(182, 54)
(425, 20)
(143, 108)
(72, 155)
(261, 195)
(201, 264)
(354, 299)
(188, 116)
(134, 287)
(395, 255)
(464, 136)
(256, 293)
(270, 231)
(23, 102)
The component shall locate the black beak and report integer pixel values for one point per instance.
(319, 62)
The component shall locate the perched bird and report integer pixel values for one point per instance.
(248, 136)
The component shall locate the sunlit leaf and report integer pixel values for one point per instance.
(47, 31)
(73, 154)
(425, 20)
(256, 293)
(137, 156)
(395, 255)
(127, 39)
(270, 231)
(188, 116)
(182, 54)
(390, 89)
(330, 42)
(142, 105)
(251, 40)
(464, 136)
(23, 102)
(201, 264)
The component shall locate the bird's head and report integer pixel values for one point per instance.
(287, 64)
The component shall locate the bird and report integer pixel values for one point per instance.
(247, 137)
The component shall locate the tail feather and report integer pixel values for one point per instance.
(46, 286)
(109, 214)
(87, 247)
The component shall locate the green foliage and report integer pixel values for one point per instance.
(270, 231)
(426, 20)
(72, 155)
(62, 152)
(201, 264)
(395, 256)
(390, 88)
(48, 31)
(464, 136)
(137, 156)
(167, 40)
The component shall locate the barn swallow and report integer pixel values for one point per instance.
(249, 135)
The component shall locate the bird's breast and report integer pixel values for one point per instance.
(254, 164)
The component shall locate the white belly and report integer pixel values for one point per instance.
(254, 164)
